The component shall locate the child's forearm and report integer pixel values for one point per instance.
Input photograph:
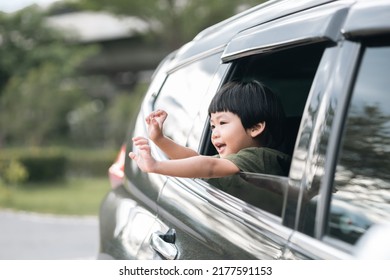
(196, 167)
(174, 150)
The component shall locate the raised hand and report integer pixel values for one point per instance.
(155, 122)
(143, 158)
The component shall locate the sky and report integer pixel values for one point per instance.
(10, 6)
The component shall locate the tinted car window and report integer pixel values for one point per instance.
(182, 94)
(361, 194)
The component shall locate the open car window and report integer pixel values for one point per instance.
(289, 73)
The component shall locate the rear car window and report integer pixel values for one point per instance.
(361, 196)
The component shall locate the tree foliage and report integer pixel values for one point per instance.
(174, 22)
(26, 42)
(42, 96)
(38, 84)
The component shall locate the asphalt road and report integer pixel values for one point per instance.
(31, 236)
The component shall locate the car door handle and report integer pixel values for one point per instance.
(163, 243)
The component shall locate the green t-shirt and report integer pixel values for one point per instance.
(255, 160)
(261, 160)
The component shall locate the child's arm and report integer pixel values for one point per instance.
(192, 167)
(173, 150)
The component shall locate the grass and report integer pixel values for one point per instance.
(73, 196)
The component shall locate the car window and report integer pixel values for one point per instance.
(290, 74)
(361, 195)
(182, 94)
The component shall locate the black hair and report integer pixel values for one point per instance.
(252, 102)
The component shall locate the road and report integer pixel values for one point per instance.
(31, 236)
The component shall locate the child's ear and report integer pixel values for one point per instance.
(257, 129)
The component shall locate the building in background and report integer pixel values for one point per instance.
(126, 55)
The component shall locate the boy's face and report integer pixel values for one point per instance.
(228, 135)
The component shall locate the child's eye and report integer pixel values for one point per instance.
(212, 126)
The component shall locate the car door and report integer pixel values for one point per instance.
(345, 210)
(180, 96)
(133, 199)
(213, 224)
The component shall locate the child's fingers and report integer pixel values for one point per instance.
(144, 148)
(133, 155)
(148, 117)
(162, 114)
(141, 143)
(139, 140)
(154, 122)
(154, 114)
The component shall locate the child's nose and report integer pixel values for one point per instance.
(214, 133)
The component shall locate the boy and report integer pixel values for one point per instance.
(246, 120)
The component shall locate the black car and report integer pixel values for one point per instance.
(329, 61)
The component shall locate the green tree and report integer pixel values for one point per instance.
(172, 24)
(38, 79)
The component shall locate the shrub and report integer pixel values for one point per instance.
(93, 163)
(40, 164)
(13, 172)
(45, 167)
(48, 164)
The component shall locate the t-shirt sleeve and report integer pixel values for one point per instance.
(248, 160)
(261, 160)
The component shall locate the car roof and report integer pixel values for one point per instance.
(218, 35)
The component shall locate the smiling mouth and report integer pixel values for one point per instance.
(220, 148)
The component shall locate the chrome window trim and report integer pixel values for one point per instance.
(176, 65)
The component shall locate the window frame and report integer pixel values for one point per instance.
(274, 184)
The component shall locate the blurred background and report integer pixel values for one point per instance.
(72, 73)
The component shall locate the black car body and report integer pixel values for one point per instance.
(330, 62)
